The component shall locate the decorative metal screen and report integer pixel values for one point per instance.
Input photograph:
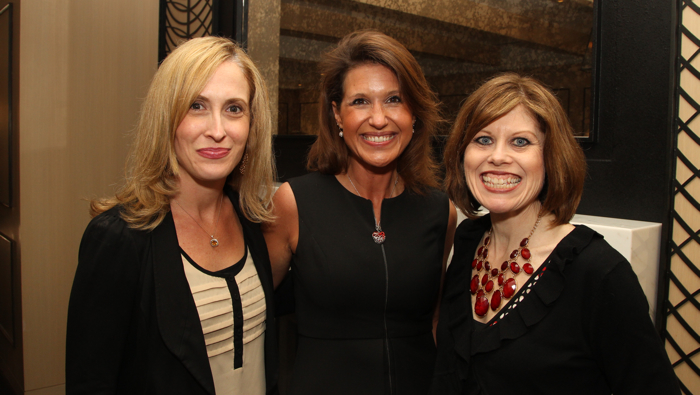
(682, 306)
(181, 20)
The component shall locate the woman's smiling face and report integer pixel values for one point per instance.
(211, 139)
(504, 163)
(377, 123)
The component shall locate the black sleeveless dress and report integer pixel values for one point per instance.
(365, 310)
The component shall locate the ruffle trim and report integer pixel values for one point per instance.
(528, 307)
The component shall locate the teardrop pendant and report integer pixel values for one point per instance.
(379, 237)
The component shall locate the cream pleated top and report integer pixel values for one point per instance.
(232, 310)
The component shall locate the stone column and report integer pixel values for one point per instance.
(264, 46)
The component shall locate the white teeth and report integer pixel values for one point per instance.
(378, 139)
(500, 182)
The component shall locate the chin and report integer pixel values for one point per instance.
(508, 208)
(498, 207)
(213, 177)
(382, 162)
(496, 210)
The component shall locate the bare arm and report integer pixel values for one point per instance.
(282, 235)
(449, 239)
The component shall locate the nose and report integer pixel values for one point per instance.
(215, 129)
(377, 118)
(499, 154)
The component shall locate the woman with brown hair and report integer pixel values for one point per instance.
(533, 304)
(173, 291)
(367, 235)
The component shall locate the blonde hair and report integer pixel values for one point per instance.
(152, 168)
(564, 161)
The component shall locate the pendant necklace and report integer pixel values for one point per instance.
(482, 286)
(214, 242)
(378, 235)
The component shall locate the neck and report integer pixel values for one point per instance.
(371, 185)
(509, 228)
(199, 197)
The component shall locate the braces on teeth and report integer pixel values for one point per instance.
(501, 182)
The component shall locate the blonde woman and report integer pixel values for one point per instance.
(173, 291)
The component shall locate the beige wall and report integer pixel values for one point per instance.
(84, 66)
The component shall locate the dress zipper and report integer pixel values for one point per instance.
(386, 329)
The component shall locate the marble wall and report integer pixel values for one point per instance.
(457, 43)
(264, 45)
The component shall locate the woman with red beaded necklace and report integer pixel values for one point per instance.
(531, 303)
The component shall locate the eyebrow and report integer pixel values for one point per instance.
(229, 100)
(390, 93)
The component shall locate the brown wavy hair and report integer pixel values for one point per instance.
(329, 154)
(564, 161)
(152, 169)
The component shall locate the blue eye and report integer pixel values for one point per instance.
(483, 140)
(521, 142)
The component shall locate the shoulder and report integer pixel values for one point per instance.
(589, 251)
(309, 180)
(466, 240)
(110, 250)
(110, 227)
(252, 230)
(432, 204)
(432, 195)
(313, 190)
(108, 219)
(284, 201)
(286, 223)
(588, 262)
(472, 229)
(234, 197)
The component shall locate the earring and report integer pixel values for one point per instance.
(341, 132)
(244, 162)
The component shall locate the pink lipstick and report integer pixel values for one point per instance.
(213, 153)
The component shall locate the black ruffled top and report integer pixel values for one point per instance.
(580, 325)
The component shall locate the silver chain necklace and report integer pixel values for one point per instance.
(214, 242)
(378, 235)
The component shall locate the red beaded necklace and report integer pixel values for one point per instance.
(482, 286)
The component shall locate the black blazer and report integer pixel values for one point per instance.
(133, 327)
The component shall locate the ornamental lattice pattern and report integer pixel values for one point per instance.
(682, 307)
(184, 19)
